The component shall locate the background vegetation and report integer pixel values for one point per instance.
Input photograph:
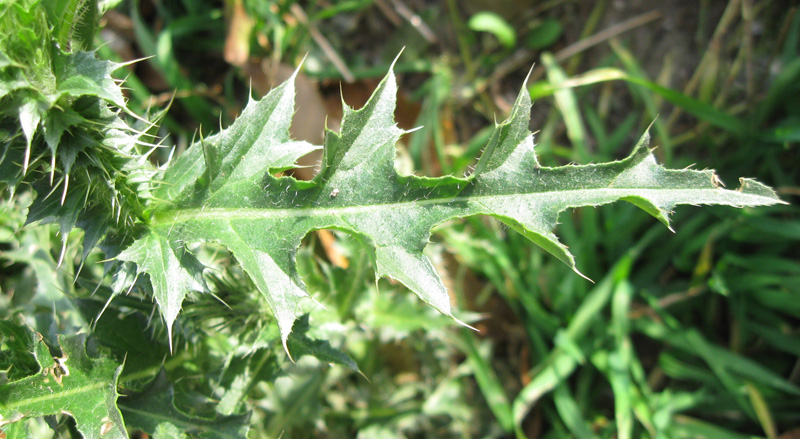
(685, 334)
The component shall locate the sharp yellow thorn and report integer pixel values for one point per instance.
(26, 160)
(63, 251)
(66, 187)
(53, 169)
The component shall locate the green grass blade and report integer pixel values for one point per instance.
(695, 107)
(488, 382)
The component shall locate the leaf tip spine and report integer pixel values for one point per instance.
(285, 342)
(578, 272)
(464, 324)
(297, 70)
(528, 77)
(394, 62)
(169, 338)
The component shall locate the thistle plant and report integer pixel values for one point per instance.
(69, 139)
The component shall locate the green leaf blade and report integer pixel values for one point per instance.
(173, 271)
(262, 218)
(486, 21)
(75, 384)
(256, 143)
(301, 344)
(153, 410)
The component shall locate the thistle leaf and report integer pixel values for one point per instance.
(223, 190)
(75, 384)
(82, 74)
(301, 344)
(173, 272)
(153, 410)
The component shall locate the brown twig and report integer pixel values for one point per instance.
(604, 35)
(323, 43)
(710, 56)
(521, 56)
(415, 21)
(667, 301)
(388, 12)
